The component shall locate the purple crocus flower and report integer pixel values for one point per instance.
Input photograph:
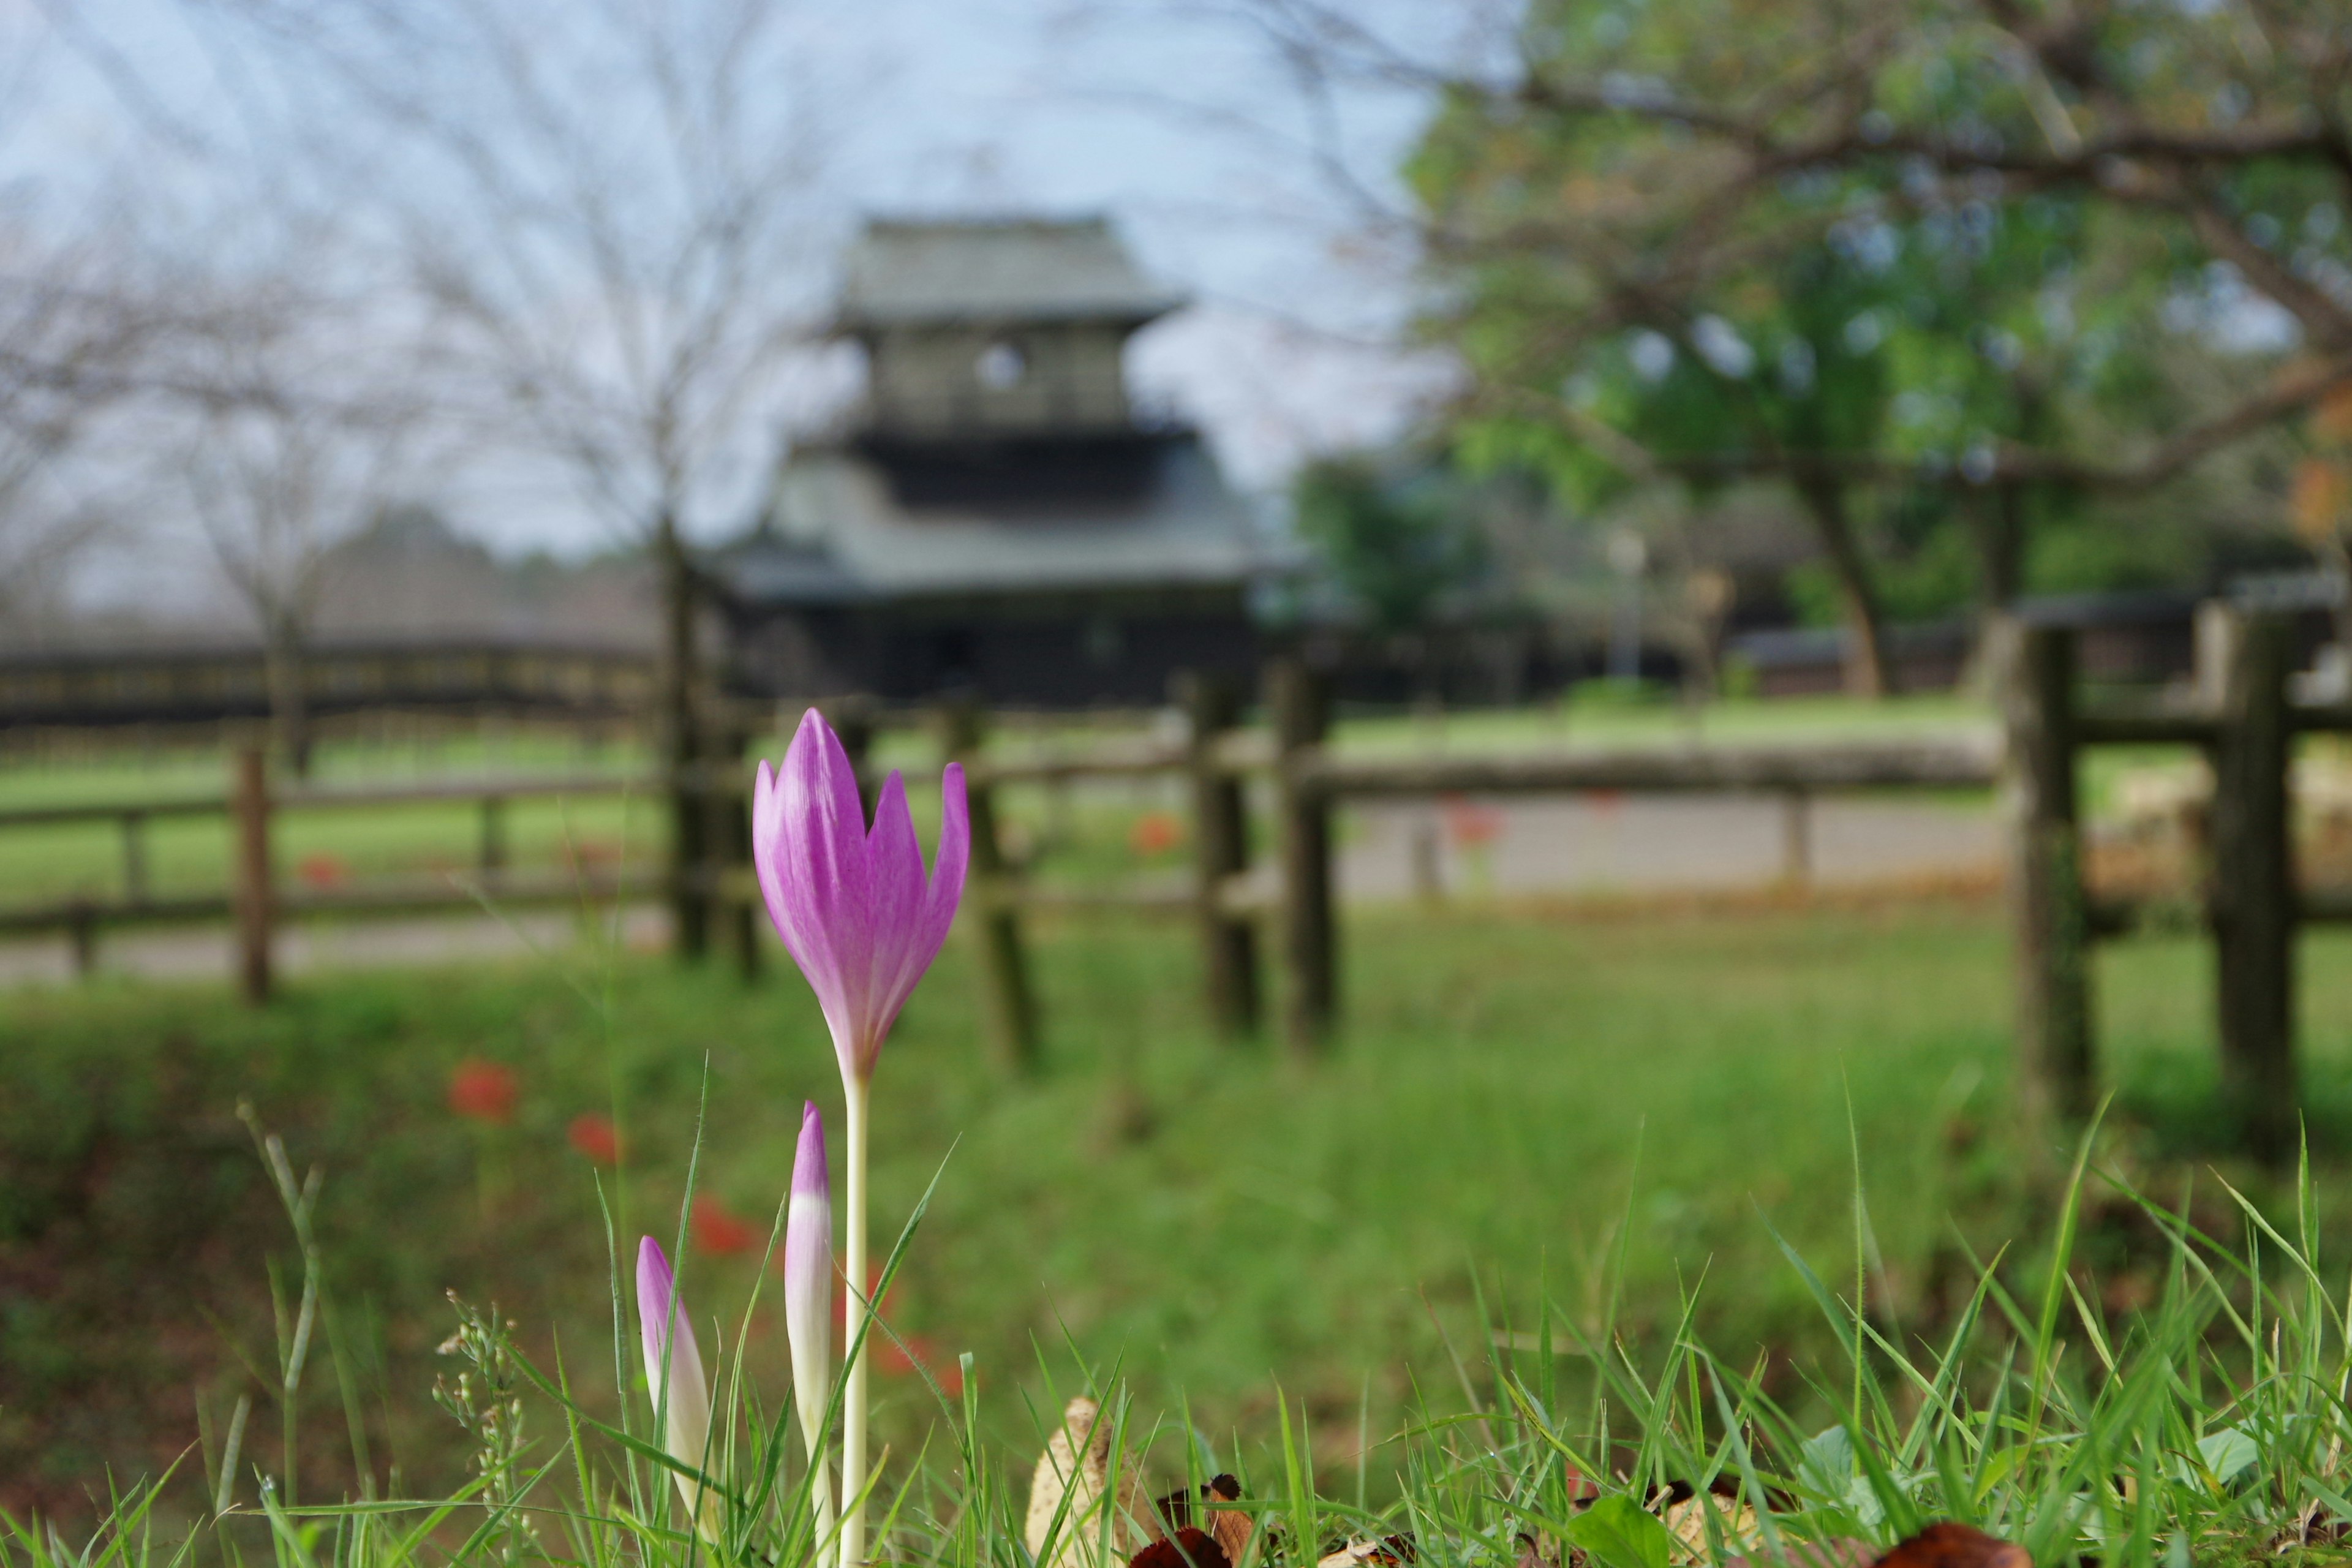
(675, 1380)
(864, 922)
(852, 905)
(808, 1295)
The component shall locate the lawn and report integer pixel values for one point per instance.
(1514, 1087)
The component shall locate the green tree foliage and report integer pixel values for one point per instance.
(1397, 547)
(1959, 266)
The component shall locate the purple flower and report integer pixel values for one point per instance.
(673, 1379)
(808, 1278)
(852, 906)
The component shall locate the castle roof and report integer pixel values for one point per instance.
(946, 272)
(1142, 511)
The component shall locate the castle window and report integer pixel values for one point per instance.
(1001, 366)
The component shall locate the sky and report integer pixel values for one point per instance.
(1173, 116)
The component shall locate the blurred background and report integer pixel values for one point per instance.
(1568, 618)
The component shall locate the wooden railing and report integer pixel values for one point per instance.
(259, 903)
(1240, 898)
(1241, 901)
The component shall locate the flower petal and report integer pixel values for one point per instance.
(950, 865)
(894, 861)
(824, 879)
(767, 829)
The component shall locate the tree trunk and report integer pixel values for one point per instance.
(680, 741)
(1866, 673)
(290, 702)
(2000, 544)
(1997, 519)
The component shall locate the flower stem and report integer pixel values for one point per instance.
(853, 1394)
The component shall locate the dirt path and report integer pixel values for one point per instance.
(1636, 843)
(198, 952)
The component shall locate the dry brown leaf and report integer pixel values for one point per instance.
(1388, 1552)
(1229, 1527)
(1949, 1545)
(1687, 1522)
(1076, 1467)
(1837, 1552)
(1188, 1548)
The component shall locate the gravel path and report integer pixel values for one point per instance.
(1636, 843)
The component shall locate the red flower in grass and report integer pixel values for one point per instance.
(323, 870)
(891, 1357)
(1155, 833)
(590, 854)
(720, 1231)
(484, 1091)
(594, 1135)
(1471, 823)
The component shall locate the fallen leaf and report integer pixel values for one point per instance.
(1687, 1522)
(1188, 1548)
(1072, 1479)
(1950, 1545)
(1837, 1552)
(1388, 1552)
(1230, 1527)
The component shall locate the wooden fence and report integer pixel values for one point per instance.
(1247, 907)
(257, 902)
(2252, 900)
(84, 689)
(1249, 903)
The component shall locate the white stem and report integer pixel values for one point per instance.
(821, 1485)
(853, 1393)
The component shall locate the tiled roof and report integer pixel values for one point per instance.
(907, 273)
(842, 535)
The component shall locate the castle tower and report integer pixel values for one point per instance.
(994, 515)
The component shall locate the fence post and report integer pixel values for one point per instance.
(1295, 704)
(250, 804)
(81, 936)
(1797, 840)
(853, 725)
(727, 829)
(1012, 1005)
(1221, 853)
(2252, 894)
(2045, 883)
(689, 899)
(134, 857)
(493, 856)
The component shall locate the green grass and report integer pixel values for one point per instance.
(1199, 1226)
(1226, 1225)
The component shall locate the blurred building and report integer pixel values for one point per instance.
(996, 515)
(407, 614)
